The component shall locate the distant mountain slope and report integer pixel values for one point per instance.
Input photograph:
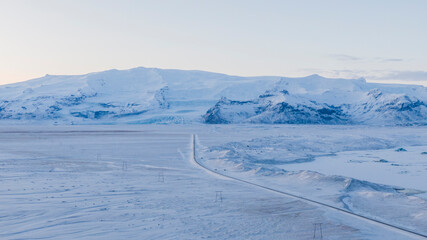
(91, 96)
(151, 95)
(318, 100)
(139, 95)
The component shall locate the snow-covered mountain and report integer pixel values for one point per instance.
(139, 95)
(151, 95)
(318, 100)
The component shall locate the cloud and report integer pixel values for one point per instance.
(382, 76)
(405, 75)
(344, 57)
(392, 60)
(349, 58)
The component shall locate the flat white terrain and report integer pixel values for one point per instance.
(140, 182)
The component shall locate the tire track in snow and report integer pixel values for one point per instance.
(360, 217)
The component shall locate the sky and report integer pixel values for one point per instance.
(382, 40)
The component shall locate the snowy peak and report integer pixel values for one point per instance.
(278, 107)
(390, 109)
(298, 101)
(92, 96)
(316, 84)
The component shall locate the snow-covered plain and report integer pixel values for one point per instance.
(378, 172)
(139, 182)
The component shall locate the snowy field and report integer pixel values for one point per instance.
(140, 182)
(378, 172)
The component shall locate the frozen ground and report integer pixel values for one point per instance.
(138, 182)
(379, 172)
(406, 169)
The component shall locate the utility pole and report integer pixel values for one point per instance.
(318, 226)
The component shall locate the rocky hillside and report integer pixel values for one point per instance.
(317, 100)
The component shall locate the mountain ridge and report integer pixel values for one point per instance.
(153, 95)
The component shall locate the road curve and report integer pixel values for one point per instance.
(344, 211)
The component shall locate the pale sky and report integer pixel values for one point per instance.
(381, 40)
